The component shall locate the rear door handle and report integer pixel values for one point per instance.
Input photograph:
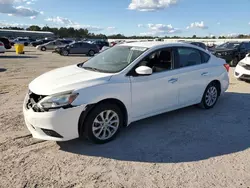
(204, 74)
(173, 80)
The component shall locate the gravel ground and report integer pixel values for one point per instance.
(190, 147)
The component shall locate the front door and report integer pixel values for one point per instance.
(157, 92)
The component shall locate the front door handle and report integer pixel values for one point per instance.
(204, 74)
(173, 80)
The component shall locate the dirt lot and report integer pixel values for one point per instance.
(187, 148)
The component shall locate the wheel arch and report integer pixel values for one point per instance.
(90, 107)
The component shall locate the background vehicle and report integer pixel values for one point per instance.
(50, 45)
(232, 52)
(24, 41)
(100, 44)
(2, 48)
(6, 42)
(40, 42)
(242, 70)
(104, 48)
(200, 44)
(78, 48)
(126, 83)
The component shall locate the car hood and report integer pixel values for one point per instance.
(67, 78)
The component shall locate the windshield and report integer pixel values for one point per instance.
(229, 45)
(114, 59)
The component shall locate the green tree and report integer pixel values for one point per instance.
(33, 28)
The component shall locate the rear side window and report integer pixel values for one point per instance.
(189, 56)
(205, 57)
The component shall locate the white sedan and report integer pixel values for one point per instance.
(2, 48)
(121, 85)
(242, 70)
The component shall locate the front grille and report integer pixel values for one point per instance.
(247, 67)
(32, 101)
(51, 133)
(245, 76)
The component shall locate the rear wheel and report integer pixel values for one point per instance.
(210, 96)
(91, 53)
(103, 123)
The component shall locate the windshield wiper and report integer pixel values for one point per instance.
(91, 68)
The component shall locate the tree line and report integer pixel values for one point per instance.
(70, 32)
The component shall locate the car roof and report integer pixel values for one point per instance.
(155, 44)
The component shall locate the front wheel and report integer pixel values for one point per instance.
(210, 96)
(103, 123)
(234, 62)
(43, 48)
(65, 53)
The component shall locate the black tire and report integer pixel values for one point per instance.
(43, 48)
(26, 44)
(91, 53)
(88, 124)
(204, 102)
(234, 62)
(65, 53)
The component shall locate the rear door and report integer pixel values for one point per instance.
(194, 74)
(85, 47)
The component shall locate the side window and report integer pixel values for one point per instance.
(160, 60)
(205, 57)
(243, 46)
(189, 57)
(248, 46)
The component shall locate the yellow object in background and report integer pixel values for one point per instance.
(19, 48)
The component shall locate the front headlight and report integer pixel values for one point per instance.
(241, 64)
(57, 101)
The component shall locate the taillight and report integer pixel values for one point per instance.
(227, 66)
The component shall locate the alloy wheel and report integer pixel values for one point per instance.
(105, 124)
(211, 96)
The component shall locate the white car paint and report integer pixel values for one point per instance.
(143, 96)
(2, 48)
(242, 70)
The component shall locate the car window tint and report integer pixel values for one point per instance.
(189, 57)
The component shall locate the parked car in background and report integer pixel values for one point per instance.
(65, 41)
(2, 48)
(104, 48)
(50, 45)
(126, 83)
(100, 44)
(6, 42)
(78, 48)
(19, 40)
(242, 70)
(200, 44)
(232, 52)
(40, 42)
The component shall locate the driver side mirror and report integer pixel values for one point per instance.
(144, 70)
